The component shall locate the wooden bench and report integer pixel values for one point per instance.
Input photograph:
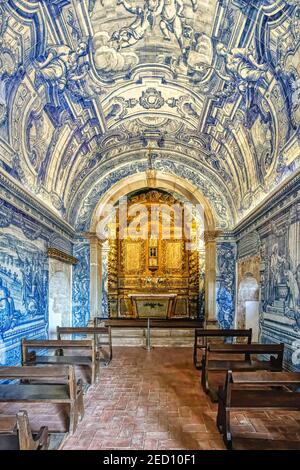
(262, 390)
(95, 331)
(244, 362)
(15, 433)
(214, 333)
(90, 358)
(65, 390)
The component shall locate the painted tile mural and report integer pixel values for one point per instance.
(226, 259)
(81, 284)
(23, 291)
(280, 320)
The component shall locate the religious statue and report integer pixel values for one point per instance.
(7, 307)
(62, 65)
(242, 69)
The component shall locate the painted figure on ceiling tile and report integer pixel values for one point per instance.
(62, 64)
(172, 20)
(242, 68)
(92, 5)
(145, 19)
(241, 64)
(7, 308)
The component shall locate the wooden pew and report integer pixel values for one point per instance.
(262, 390)
(214, 333)
(15, 433)
(95, 331)
(30, 357)
(244, 363)
(65, 390)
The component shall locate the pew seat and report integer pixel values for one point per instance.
(250, 391)
(88, 355)
(243, 357)
(64, 390)
(204, 335)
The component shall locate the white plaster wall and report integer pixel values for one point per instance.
(60, 295)
(252, 318)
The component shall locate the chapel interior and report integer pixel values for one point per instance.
(149, 225)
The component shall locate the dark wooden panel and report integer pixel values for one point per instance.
(74, 360)
(31, 393)
(33, 372)
(266, 377)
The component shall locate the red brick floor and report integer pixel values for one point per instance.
(153, 400)
(148, 400)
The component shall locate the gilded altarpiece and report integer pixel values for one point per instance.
(156, 258)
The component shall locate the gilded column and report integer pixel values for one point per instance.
(210, 277)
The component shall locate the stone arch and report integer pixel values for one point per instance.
(163, 181)
(168, 183)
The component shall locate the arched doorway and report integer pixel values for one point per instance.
(170, 184)
(157, 247)
(59, 296)
(248, 305)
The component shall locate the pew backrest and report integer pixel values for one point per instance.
(250, 349)
(29, 347)
(230, 333)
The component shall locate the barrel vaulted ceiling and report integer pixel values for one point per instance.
(211, 86)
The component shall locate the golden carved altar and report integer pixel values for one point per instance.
(153, 305)
(150, 262)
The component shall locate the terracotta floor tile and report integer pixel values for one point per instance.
(153, 400)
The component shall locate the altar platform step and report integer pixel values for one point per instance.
(159, 337)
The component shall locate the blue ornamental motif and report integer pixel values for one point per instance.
(226, 261)
(81, 285)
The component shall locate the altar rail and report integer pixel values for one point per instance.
(172, 333)
(154, 323)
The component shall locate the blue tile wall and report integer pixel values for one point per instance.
(23, 286)
(225, 296)
(81, 284)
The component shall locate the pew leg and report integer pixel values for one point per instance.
(73, 416)
(98, 370)
(80, 406)
(226, 430)
(110, 345)
(195, 355)
(204, 378)
(93, 373)
(220, 416)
